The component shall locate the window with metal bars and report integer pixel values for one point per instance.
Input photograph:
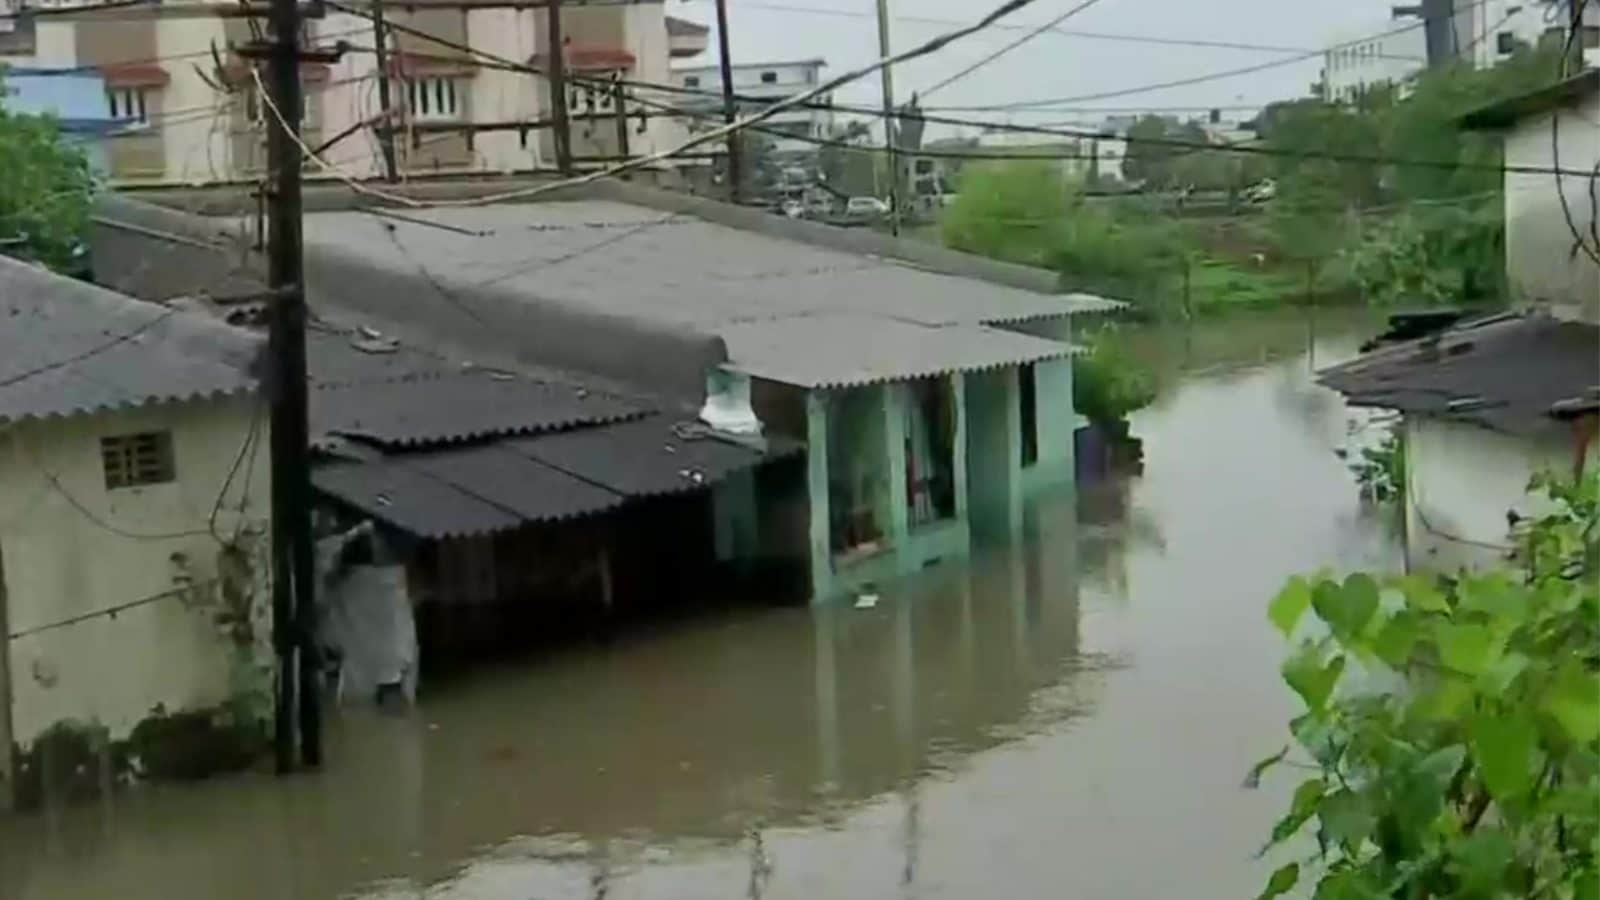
(433, 99)
(132, 460)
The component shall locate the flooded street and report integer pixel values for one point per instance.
(1068, 718)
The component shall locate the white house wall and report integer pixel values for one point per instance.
(503, 96)
(351, 96)
(195, 144)
(1541, 262)
(1462, 479)
(59, 564)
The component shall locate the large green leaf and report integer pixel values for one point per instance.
(1395, 641)
(1301, 808)
(1444, 700)
(1422, 593)
(1347, 608)
(1281, 882)
(1494, 594)
(1503, 746)
(1310, 678)
(1480, 864)
(1573, 700)
(1346, 818)
(1468, 648)
(1290, 604)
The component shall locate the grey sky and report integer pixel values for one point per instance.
(1053, 65)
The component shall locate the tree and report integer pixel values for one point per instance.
(1149, 159)
(1015, 211)
(1452, 724)
(45, 187)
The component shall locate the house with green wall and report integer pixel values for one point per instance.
(932, 390)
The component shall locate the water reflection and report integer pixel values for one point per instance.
(1067, 717)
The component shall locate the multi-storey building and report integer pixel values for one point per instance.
(189, 102)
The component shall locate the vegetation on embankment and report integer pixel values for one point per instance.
(1338, 227)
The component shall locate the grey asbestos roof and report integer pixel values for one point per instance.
(448, 408)
(676, 271)
(70, 348)
(1506, 373)
(841, 350)
(510, 483)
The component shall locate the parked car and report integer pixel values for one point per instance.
(794, 209)
(865, 208)
(1262, 191)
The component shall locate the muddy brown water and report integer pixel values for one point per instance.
(1067, 718)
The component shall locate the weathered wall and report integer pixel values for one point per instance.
(59, 563)
(1462, 480)
(1055, 414)
(1542, 263)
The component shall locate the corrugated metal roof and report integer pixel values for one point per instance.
(649, 457)
(629, 264)
(1505, 373)
(446, 408)
(69, 348)
(512, 482)
(832, 351)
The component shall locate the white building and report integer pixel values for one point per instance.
(133, 516)
(1362, 60)
(1484, 32)
(765, 83)
(1488, 404)
(192, 121)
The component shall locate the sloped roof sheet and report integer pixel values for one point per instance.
(512, 482)
(834, 351)
(453, 407)
(70, 348)
(1506, 372)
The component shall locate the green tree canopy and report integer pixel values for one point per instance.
(45, 188)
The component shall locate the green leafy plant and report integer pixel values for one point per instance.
(1108, 383)
(45, 188)
(1452, 724)
(1380, 470)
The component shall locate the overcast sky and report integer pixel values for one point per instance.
(1053, 65)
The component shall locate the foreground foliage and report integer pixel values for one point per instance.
(1452, 724)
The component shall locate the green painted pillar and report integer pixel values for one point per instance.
(1056, 422)
(737, 529)
(958, 462)
(817, 483)
(895, 514)
(994, 454)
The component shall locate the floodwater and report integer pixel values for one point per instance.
(1069, 718)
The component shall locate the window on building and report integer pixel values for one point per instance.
(432, 99)
(131, 103)
(1590, 35)
(1505, 42)
(691, 81)
(1029, 398)
(769, 77)
(132, 460)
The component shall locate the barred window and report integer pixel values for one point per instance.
(132, 460)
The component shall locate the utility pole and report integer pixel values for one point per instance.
(730, 110)
(558, 89)
(386, 126)
(293, 600)
(1572, 62)
(890, 137)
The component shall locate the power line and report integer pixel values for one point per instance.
(1201, 79)
(991, 57)
(923, 49)
(1063, 32)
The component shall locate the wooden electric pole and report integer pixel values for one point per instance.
(730, 109)
(391, 172)
(293, 600)
(890, 137)
(558, 89)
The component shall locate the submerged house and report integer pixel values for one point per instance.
(133, 583)
(932, 392)
(1489, 403)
